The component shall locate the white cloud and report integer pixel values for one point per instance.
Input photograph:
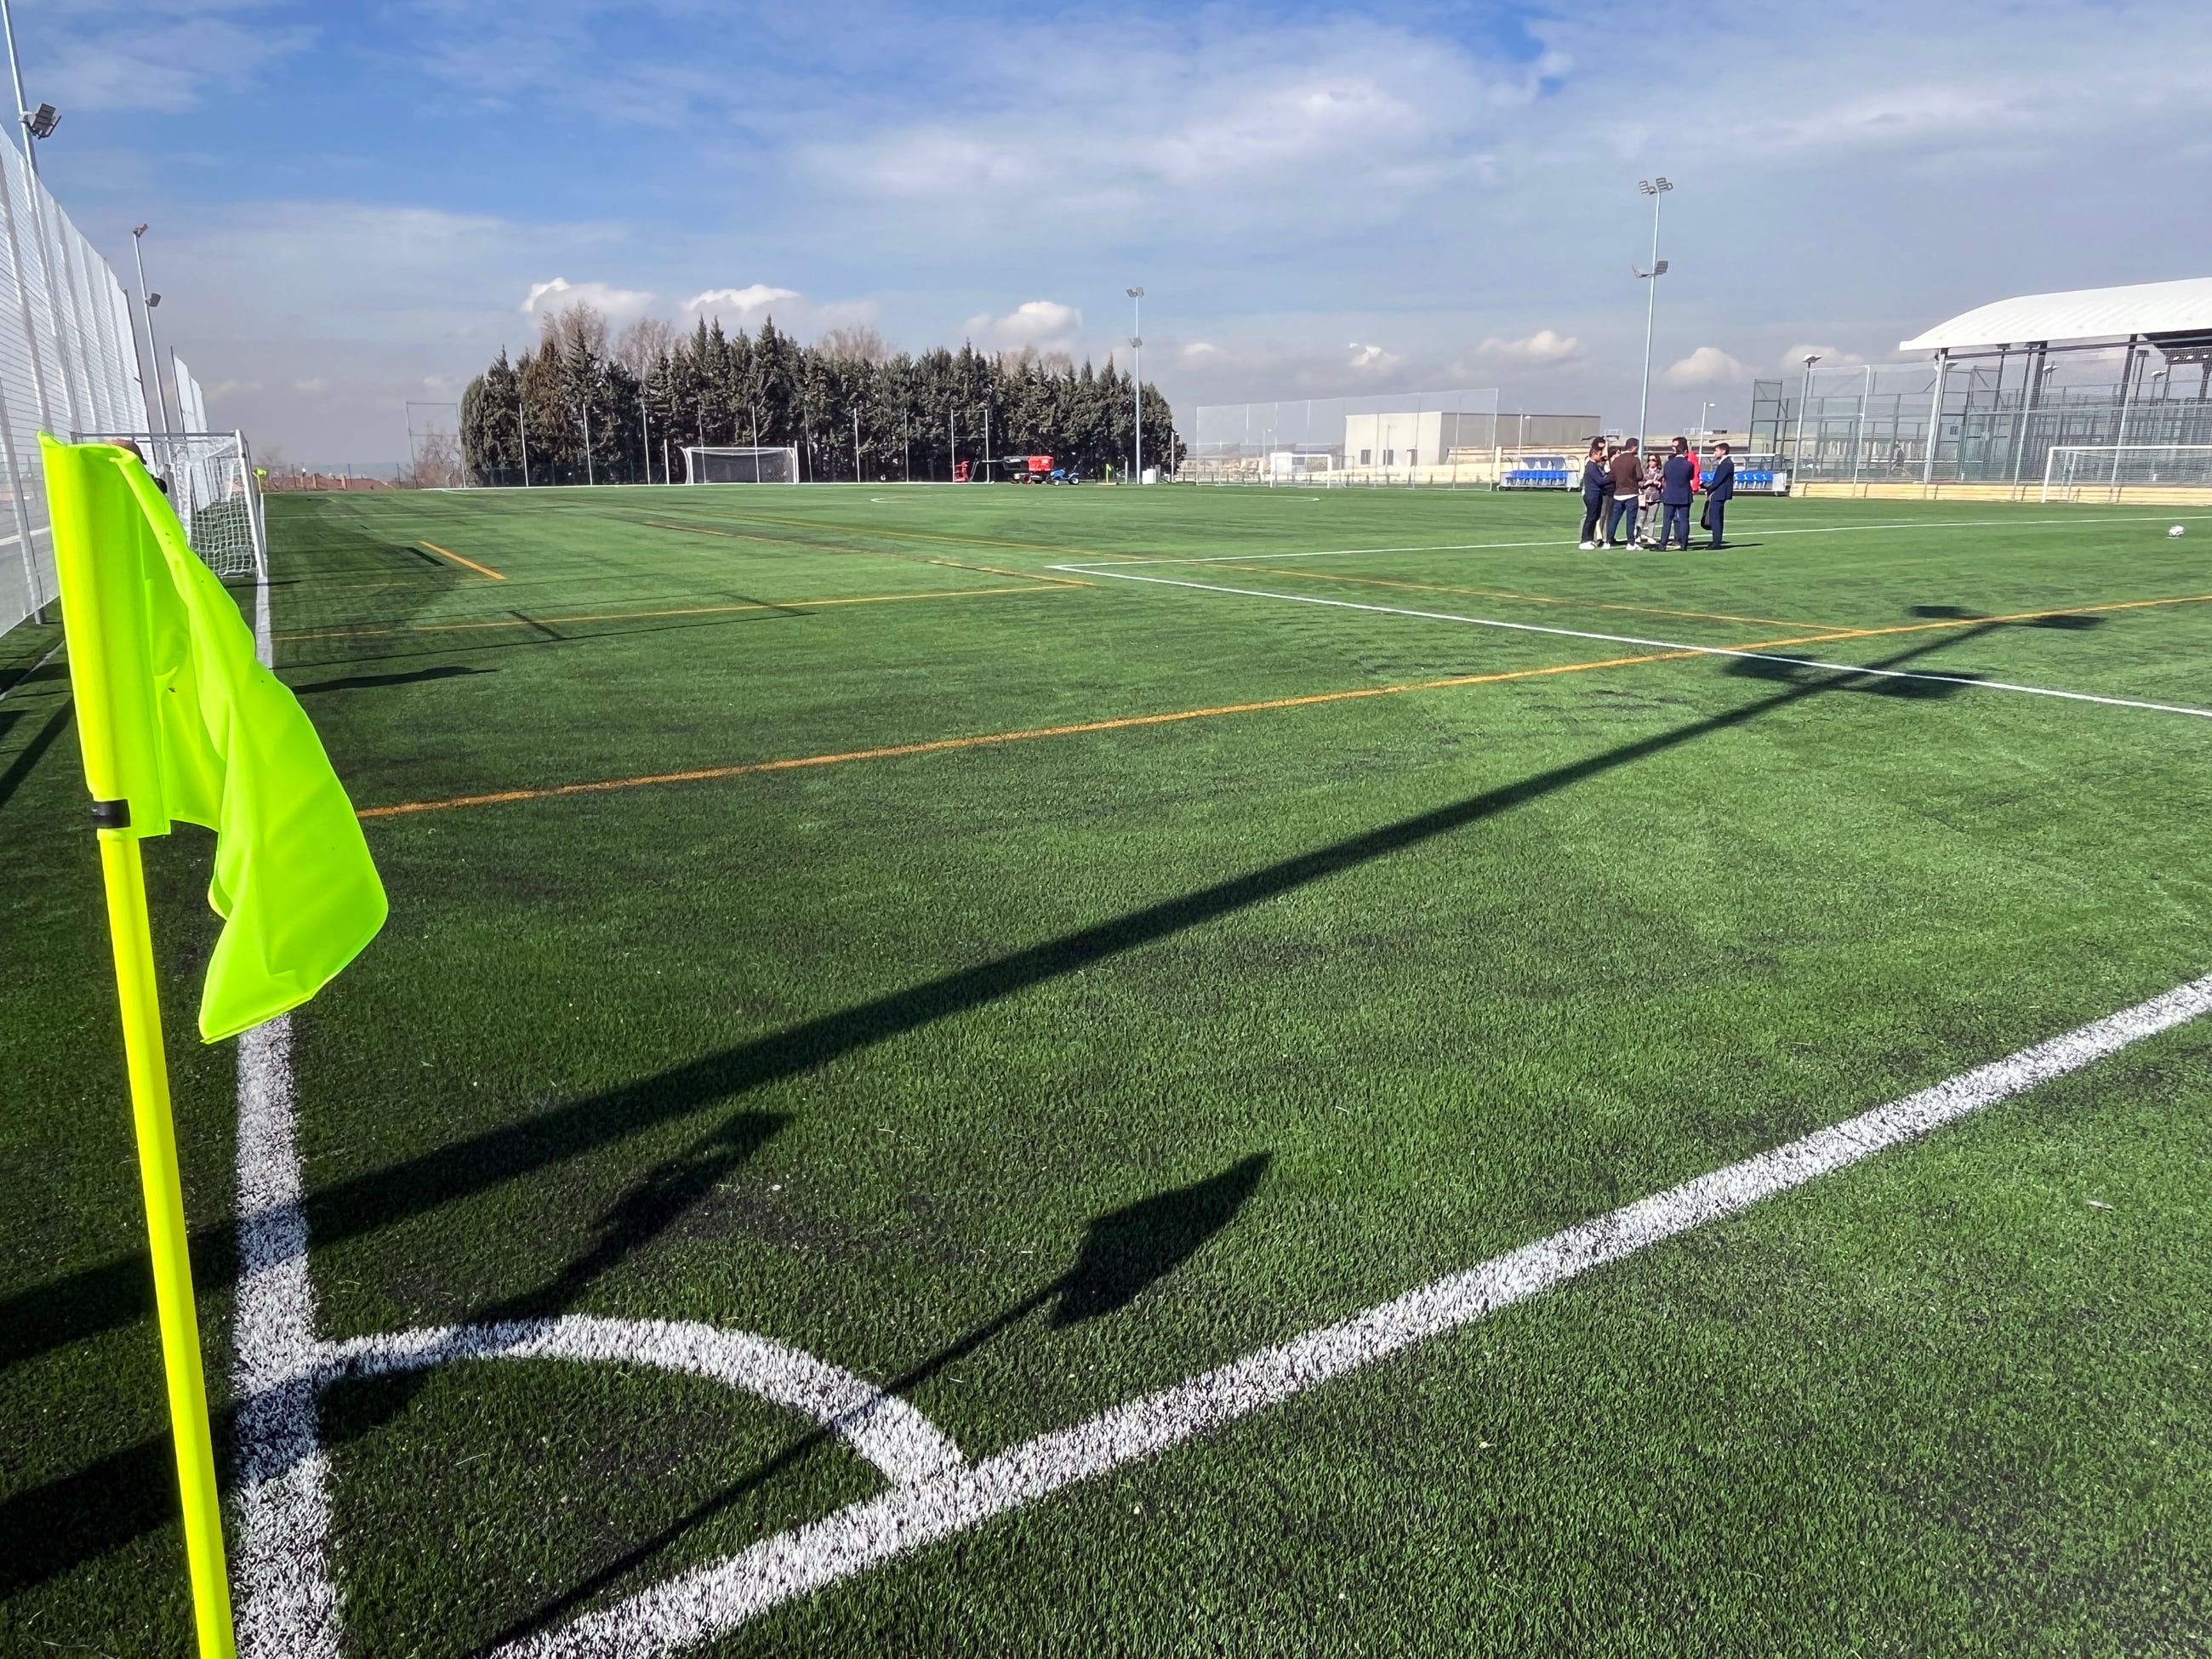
(1046, 324)
(1796, 356)
(1199, 350)
(1706, 366)
(311, 387)
(615, 302)
(1365, 357)
(1543, 347)
(742, 301)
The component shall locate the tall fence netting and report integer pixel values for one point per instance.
(68, 365)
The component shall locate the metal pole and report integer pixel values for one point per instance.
(2030, 387)
(523, 428)
(1650, 314)
(1136, 347)
(23, 110)
(2127, 393)
(644, 432)
(583, 408)
(1858, 439)
(153, 346)
(1934, 416)
(856, 447)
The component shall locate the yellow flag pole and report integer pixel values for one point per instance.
(125, 877)
(98, 549)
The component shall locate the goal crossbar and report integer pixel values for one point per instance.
(741, 464)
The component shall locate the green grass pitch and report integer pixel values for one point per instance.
(1032, 1074)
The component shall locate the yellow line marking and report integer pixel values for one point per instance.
(936, 745)
(640, 615)
(1971, 622)
(484, 570)
(924, 535)
(1532, 598)
(868, 553)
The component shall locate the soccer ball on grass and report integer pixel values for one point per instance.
(2174, 530)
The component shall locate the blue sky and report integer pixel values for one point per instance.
(353, 204)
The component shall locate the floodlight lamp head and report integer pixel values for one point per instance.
(43, 120)
(1812, 358)
(139, 230)
(1135, 293)
(153, 300)
(1659, 270)
(1136, 342)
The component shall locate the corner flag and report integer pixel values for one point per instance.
(179, 720)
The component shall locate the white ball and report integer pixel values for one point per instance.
(2175, 530)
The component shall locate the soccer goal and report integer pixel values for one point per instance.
(740, 464)
(212, 485)
(2111, 472)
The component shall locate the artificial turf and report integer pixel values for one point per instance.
(1038, 1072)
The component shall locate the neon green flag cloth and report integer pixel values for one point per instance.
(180, 719)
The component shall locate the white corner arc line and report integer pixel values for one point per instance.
(711, 1601)
(1656, 645)
(881, 1427)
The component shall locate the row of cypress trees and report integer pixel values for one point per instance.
(587, 412)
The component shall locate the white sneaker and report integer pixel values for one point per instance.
(1589, 547)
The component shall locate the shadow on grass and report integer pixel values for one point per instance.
(102, 1298)
(25, 763)
(105, 1504)
(1123, 1253)
(367, 682)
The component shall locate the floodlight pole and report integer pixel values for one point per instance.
(1656, 189)
(1804, 398)
(856, 447)
(645, 432)
(22, 109)
(148, 301)
(1137, 346)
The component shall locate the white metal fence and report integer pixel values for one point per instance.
(69, 364)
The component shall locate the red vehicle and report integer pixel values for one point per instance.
(1034, 469)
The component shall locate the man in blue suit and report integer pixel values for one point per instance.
(1678, 481)
(1720, 490)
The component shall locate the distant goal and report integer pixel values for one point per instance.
(2115, 473)
(740, 464)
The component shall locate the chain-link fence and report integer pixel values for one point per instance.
(1440, 440)
(1991, 422)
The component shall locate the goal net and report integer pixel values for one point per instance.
(741, 465)
(214, 488)
(2112, 472)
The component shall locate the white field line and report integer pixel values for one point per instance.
(1660, 645)
(1569, 541)
(286, 1605)
(883, 1428)
(713, 1600)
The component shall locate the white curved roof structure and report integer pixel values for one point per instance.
(2084, 313)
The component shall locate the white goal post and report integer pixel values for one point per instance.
(2108, 472)
(209, 479)
(740, 464)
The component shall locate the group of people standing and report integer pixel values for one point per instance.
(1623, 486)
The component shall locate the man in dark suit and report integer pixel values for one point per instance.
(1720, 490)
(1678, 481)
(1597, 484)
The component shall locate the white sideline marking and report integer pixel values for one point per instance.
(883, 1428)
(1569, 541)
(715, 1599)
(286, 1605)
(1659, 644)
